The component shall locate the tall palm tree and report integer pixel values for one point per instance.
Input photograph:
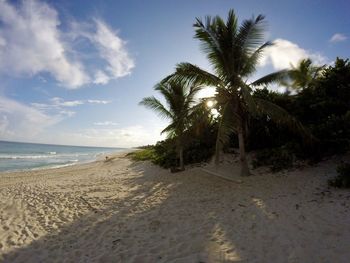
(234, 51)
(180, 109)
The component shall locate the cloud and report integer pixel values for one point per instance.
(106, 123)
(22, 122)
(59, 103)
(67, 113)
(56, 101)
(112, 49)
(338, 38)
(32, 42)
(101, 77)
(285, 53)
(130, 136)
(99, 101)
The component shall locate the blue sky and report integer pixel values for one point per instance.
(73, 72)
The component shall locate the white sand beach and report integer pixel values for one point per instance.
(120, 211)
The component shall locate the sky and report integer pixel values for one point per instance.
(73, 71)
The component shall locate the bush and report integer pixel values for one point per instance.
(323, 107)
(143, 154)
(165, 154)
(277, 158)
(342, 180)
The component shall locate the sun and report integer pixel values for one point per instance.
(210, 103)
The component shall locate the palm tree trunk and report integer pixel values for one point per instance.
(242, 155)
(181, 157)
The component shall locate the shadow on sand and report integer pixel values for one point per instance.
(184, 217)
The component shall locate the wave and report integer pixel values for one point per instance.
(50, 155)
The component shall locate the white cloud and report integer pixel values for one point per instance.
(130, 136)
(67, 113)
(111, 48)
(58, 103)
(106, 123)
(32, 42)
(285, 53)
(338, 38)
(101, 77)
(27, 123)
(22, 122)
(99, 101)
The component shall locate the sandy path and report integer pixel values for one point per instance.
(118, 211)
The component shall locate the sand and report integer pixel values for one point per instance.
(121, 211)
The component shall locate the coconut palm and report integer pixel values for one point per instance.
(180, 109)
(234, 51)
(303, 74)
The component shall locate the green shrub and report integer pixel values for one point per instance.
(143, 154)
(277, 158)
(342, 180)
(165, 154)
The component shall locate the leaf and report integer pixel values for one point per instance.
(276, 77)
(281, 116)
(157, 106)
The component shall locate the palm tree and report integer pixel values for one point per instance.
(180, 109)
(304, 74)
(234, 51)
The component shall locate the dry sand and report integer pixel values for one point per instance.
(120, 211)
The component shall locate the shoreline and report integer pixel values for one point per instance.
(99, 157)
(124, 211)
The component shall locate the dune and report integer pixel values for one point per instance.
(121, 211)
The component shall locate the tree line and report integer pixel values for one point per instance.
(311, 119)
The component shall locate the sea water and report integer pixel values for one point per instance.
(22, 156)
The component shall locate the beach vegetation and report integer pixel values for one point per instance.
(277, 159)
(342, 180)
(302, 75)
(143, 154)
(234, 52)
(180, 108)
(199, 147)
(310, 121)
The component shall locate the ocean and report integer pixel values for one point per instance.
(23, 156)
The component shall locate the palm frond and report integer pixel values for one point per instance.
(252, 60)
(251, 34)
(232, 23)
(304, 74)
(191, 95)
(157, 106)
(170, 130)
(166, 91)
(281, 116)
(217, 38)
(190, 74)
(207, 34)
(276, 77)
